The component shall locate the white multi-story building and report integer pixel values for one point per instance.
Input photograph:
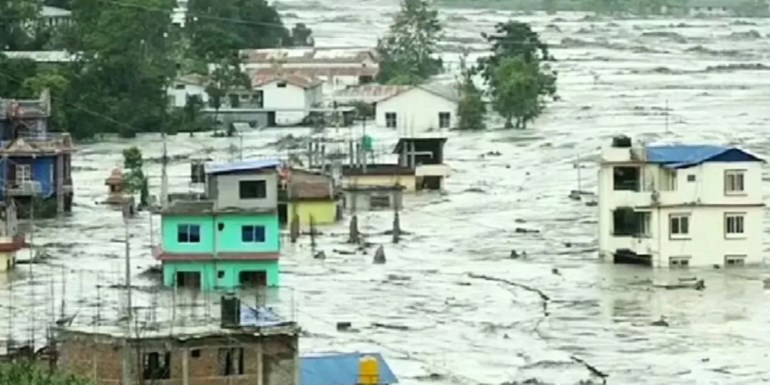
(680, 205)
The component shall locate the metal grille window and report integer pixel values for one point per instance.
(23, 173)
(734, 224)
(679, 225)
(444, 119)
(734, 182)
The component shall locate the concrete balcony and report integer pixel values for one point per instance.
(644, 199)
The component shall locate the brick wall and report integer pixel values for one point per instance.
(267, 360)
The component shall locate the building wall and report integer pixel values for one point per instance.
(178, 96)
(226, 190)
(7, 260)
(289, 97)
(42, 171)
(703, 198)
(227, 240)
(267, 360)
(408, 181)
(361, 199)
(208, 271)
(323, 212)
(416, 111)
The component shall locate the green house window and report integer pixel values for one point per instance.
(188, 233)
(253, 234)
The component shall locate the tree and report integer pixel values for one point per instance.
(471, 108)
(135, 181)
(15, 18)
(226, 77)
(407, 51)
(518, 69)
(219, 28)
(126, 64)
(29, 373)
(301, 35)
(13, 75)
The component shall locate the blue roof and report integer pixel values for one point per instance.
(683, 156)
(256, 164)
(339, 369)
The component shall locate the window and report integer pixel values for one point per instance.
(691, 178)
(390, 119)
(734, 182)
(252, 189)
(627, 222)
(444, 119)
(179, 86)
(379, 202)
(23, 173)
(735, 260)
(156, 366)
(626, 178)
(254, 234)
(734, 224)
(281, 84)
(679, 225)
(680, 261)
(195, 353)
(230, 361)
(188, 233)
(220, 274)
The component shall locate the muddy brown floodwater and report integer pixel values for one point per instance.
(466, 313)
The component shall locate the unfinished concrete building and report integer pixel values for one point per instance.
(256, 347)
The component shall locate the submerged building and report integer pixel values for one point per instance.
(680, 205)
(230, 238)
(10, 239)
(36, 165)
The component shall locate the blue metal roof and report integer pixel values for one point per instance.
(339, 369)
(683, 156)
(256, 164)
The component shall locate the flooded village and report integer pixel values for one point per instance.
(321, 226)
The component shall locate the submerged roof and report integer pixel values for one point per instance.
(246, 165)
(683, 156)
(339, 369)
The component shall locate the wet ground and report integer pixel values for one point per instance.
(464, 311)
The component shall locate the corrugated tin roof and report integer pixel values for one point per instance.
(299, 80)
(339, 369)
(370, 93)
(683, 156)
(309, 54)
(255, 164)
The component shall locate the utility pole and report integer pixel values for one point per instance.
(164, 175)
(129, 311)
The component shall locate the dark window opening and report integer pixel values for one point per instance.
(627, 222)
(195, 353)
(220, 274)
(235, 100)
(691, 178)
(230, 361)
(188, 233)
(220, 226)
(628, 257)
(679, 225)
(156, 366)
(444, 119)
(252, 189)
(679, 261)
(253, 234)
(188, 279)
(735, 260)
(429, 183)
(390, 119)
(252, 279)
(281, 84)
(283, 214)
(625, 178)
(379, 201)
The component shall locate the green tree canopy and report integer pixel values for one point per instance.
(408, 50)
(219, 28)
(28, 373)
(471, 109)
(119, 83)
(15, 18)
(517, 73)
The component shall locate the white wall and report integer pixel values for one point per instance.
(289, 97)
(178, 96)
(416, 111)
(704, 199)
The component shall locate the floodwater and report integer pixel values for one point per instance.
(448, 326)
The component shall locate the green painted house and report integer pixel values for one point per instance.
(229, 240)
